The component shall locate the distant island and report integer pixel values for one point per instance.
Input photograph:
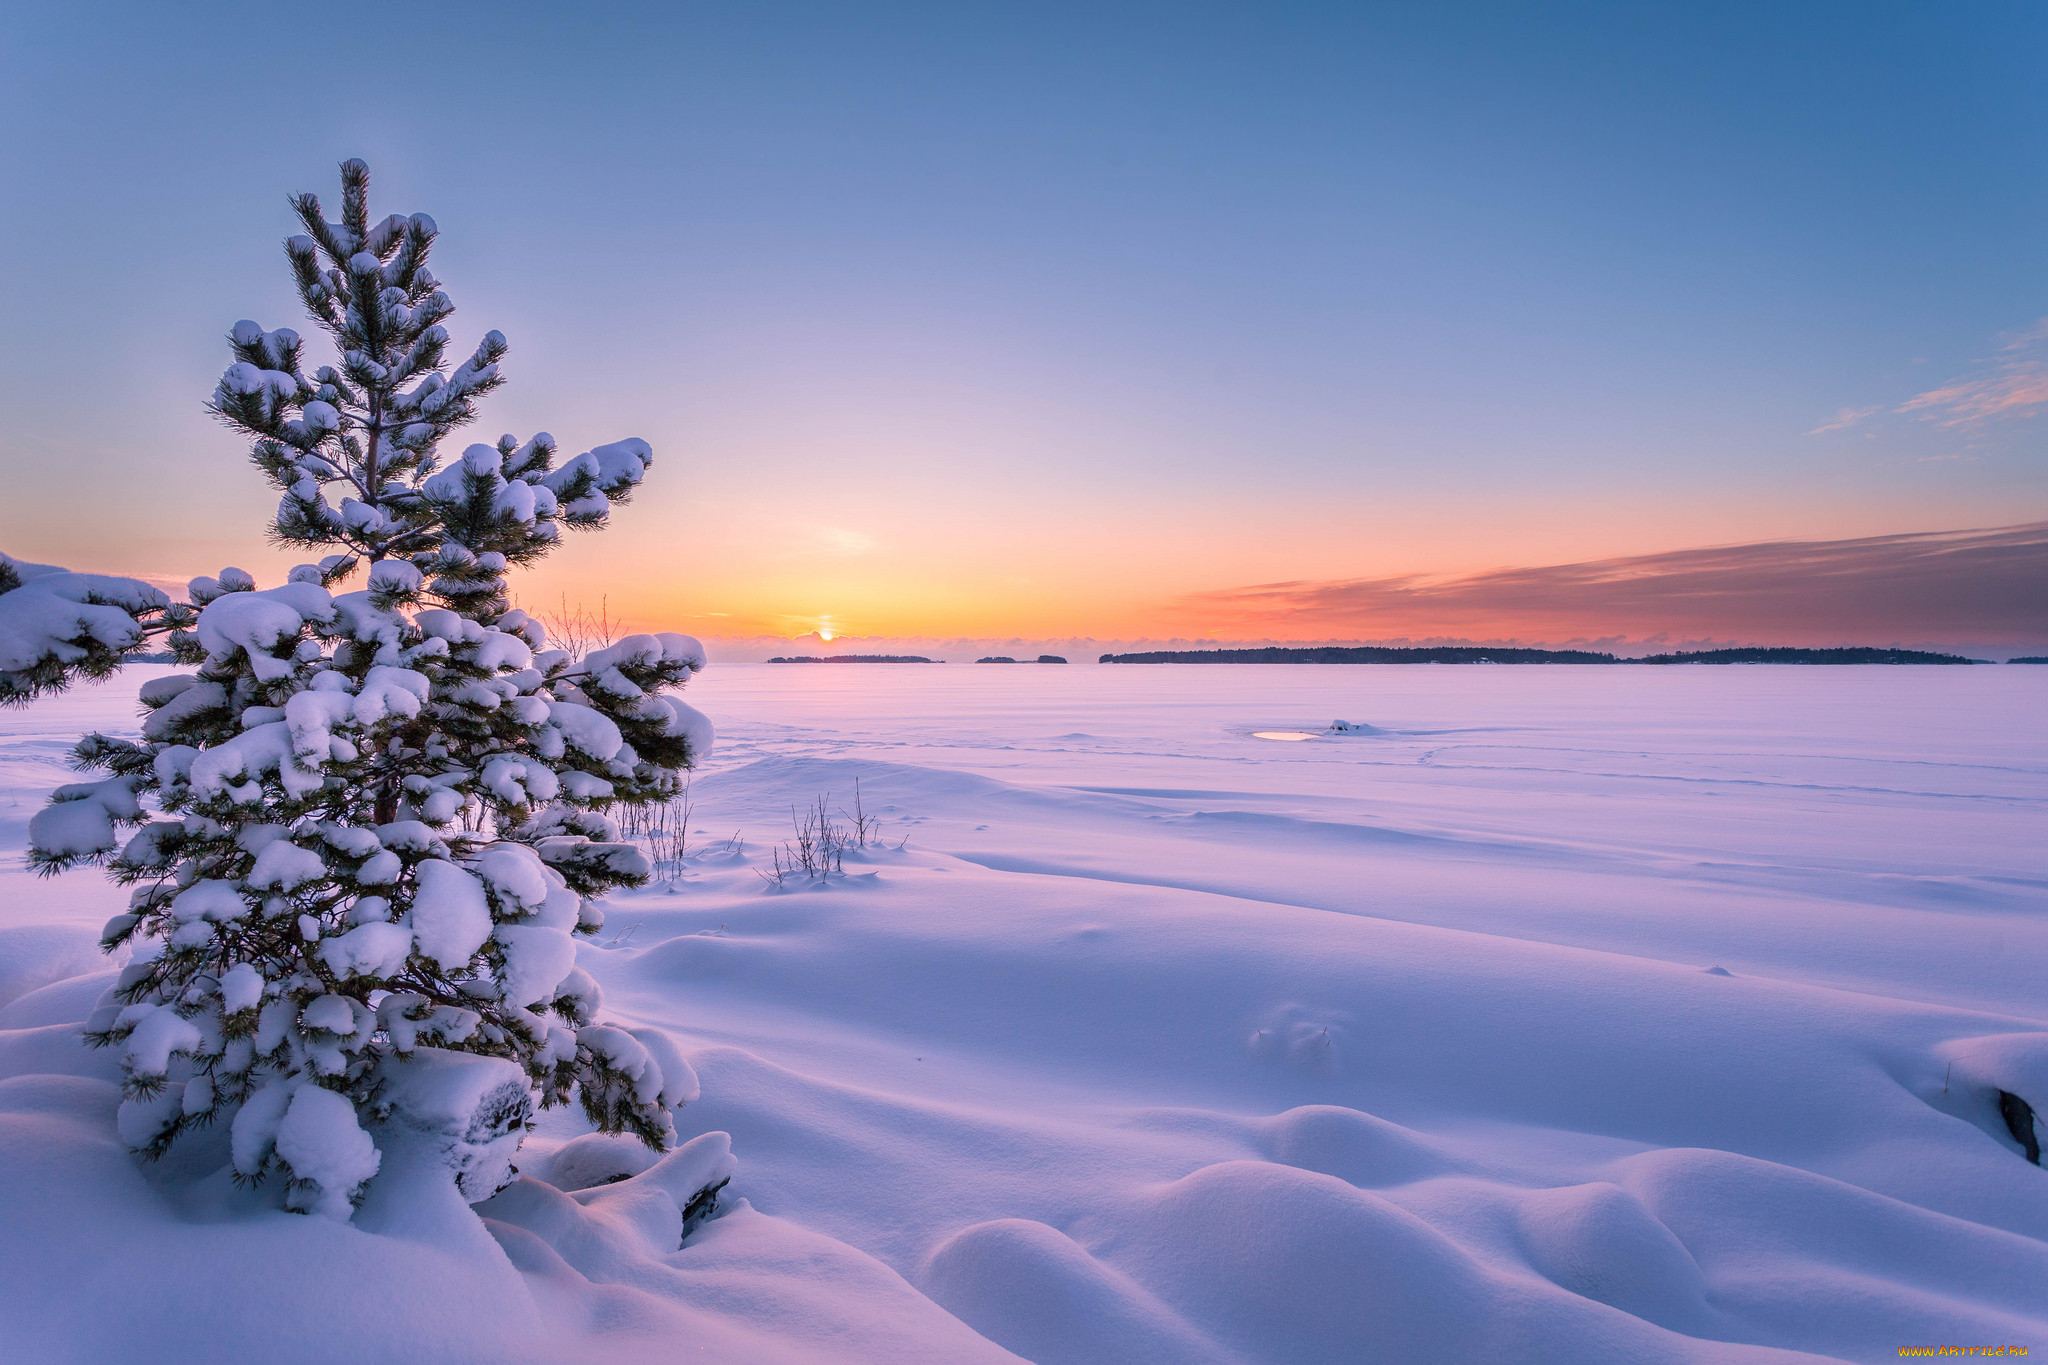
(1006, 659)
(857, 659)
(1466, 654)
(1857, 655)
(1363, 654)
(2030, 659)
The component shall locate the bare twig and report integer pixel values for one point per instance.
(818, 845)
(665, 826)
(579, 630)
(866, 827)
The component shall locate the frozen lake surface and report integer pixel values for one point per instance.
(1554, 1014)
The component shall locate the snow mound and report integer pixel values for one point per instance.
(594, 1159)
(36, 955)
(1040, 1293)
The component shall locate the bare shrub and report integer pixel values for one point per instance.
(818, 843)
(665, 828)
(579, 630)
(866, 827)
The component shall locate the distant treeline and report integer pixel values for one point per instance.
(1363, 654)
(1858, 655)
(1467, 654)
(857, 659)
(1006, 659)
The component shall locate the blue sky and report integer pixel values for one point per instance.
(968, 319)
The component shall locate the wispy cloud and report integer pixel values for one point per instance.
(2024, 337)
(2017, 388)
(2012, 383)
(1846, 417)
(1984, 587)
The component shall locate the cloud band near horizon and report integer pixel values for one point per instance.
(1977, 586)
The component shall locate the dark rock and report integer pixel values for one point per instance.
(2019, 1121)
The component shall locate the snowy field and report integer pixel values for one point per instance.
(1563, 1014)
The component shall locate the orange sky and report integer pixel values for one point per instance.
(1104, 572)
(1022, 325)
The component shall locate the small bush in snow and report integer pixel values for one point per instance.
(664, 826)
(378, 815)
(819, 843)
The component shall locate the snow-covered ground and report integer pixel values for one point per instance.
(1566, 1014)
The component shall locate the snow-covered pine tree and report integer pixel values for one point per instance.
(379, 815)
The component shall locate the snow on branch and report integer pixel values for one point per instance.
(57, 627)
